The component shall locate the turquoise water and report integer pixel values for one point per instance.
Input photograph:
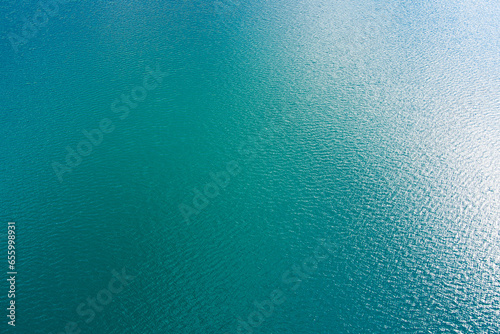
(285, 167)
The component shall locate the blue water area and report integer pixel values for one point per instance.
(261, 166)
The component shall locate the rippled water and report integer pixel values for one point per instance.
(336, 159)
